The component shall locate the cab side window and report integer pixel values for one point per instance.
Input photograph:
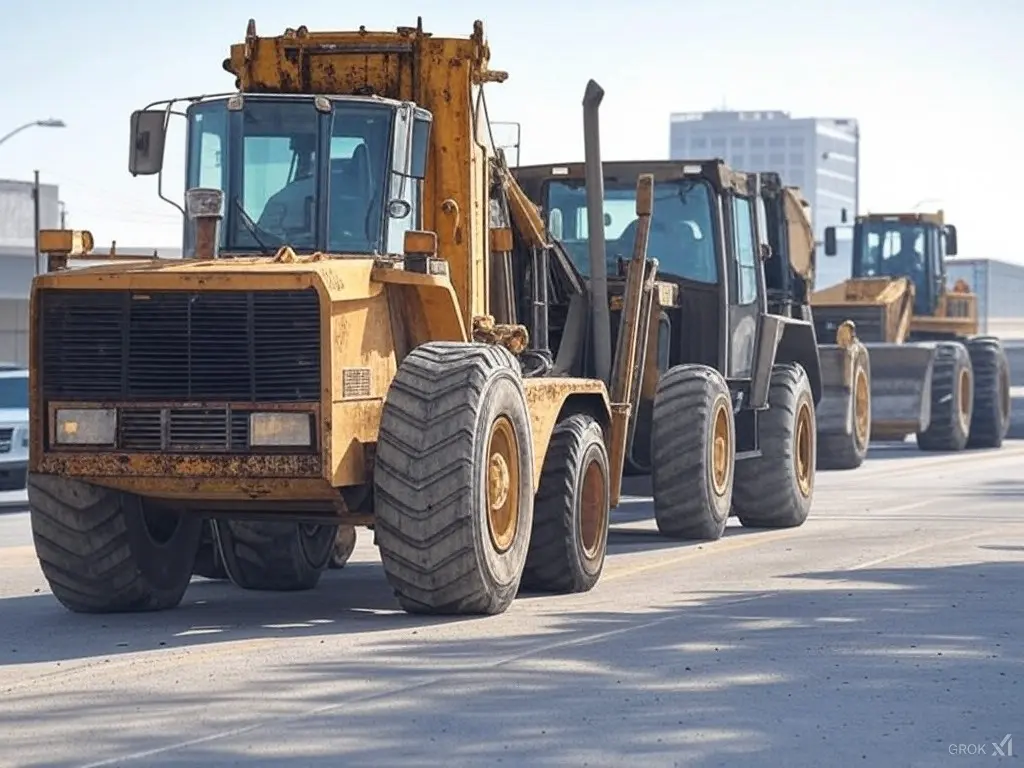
(745, 249)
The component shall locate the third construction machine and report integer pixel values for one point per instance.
(931, 374)
(710, 322)
(844, 412)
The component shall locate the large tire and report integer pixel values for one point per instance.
(344, 546)
(571, 512)
(952, 400)
(776, 489)
(990, 418)
(693, 446)
(453, 480)
(274, 556)
(848, 451)
(104, 551)
(208, 562)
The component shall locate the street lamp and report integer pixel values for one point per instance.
(48, 123)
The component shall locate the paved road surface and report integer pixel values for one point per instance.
(885, 632)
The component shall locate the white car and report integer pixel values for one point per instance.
(13, 429)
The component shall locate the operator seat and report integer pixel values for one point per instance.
(351, 195)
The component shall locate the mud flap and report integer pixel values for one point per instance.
(834, 413)
(901, 384)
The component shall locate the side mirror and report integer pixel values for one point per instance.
(950, 240)
(831, 248)
(148, 132)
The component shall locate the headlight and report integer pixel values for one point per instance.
(280, 429)
(86, 426)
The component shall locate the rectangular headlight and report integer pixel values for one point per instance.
(86, 426)
(281, 428)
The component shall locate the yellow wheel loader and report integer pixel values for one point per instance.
(340, 346)
(711, 331)
(931, 374)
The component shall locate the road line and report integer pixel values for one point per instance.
(921, 548)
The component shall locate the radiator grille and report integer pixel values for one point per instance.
(870, 322)
(6, 439)
(184, 430)
(249, 346)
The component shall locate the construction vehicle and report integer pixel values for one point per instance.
(710, 332)
(844, 411)
(931, 374)
(326, 353)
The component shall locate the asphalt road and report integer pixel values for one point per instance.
(887, 631)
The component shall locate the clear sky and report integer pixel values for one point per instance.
(938, 86)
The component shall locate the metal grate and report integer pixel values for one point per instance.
(870, 322)
(248, 346)
(183, 430)
(6, 439)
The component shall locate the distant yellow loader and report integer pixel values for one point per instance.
(931, 374)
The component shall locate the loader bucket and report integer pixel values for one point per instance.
(901, 383)
(834, 412)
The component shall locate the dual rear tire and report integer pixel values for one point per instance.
(697, 482)
(458, 522)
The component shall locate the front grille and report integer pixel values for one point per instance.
(6, 439)
(183, 430)
(248, 346)
(869, 321)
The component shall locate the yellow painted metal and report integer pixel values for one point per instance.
(372, 312)
(503, 484)
(722, 452)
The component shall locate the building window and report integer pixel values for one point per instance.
(737, 161)
(756, 162)
(737, 141)
(777, 141)
(776, 159)
(718, 142)
(796, 141)
(757, 141)
(796, 158)
(698, 142)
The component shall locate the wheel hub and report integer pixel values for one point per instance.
(593, 509)
(804, 453)
(964, 386)
(862, 407)
(721, 450)
(502, 483)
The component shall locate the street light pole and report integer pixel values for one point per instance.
(35, 214)
(49, 123)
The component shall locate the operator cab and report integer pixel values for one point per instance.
(707, 222)
(339, 174)
(902, 245)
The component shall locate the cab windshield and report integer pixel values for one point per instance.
(681, 237)
(267, 158)
(896, 249)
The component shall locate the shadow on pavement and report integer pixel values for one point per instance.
(887, 666)
(37, 628)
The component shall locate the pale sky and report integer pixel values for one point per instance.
(938, 87)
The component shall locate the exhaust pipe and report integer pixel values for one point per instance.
(600, 315)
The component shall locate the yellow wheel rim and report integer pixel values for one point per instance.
(804, 449)
(862, 406)
(964, 386)
(721, 450)
(593, 509)
(502, 484)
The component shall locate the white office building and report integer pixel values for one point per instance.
(819, 155)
